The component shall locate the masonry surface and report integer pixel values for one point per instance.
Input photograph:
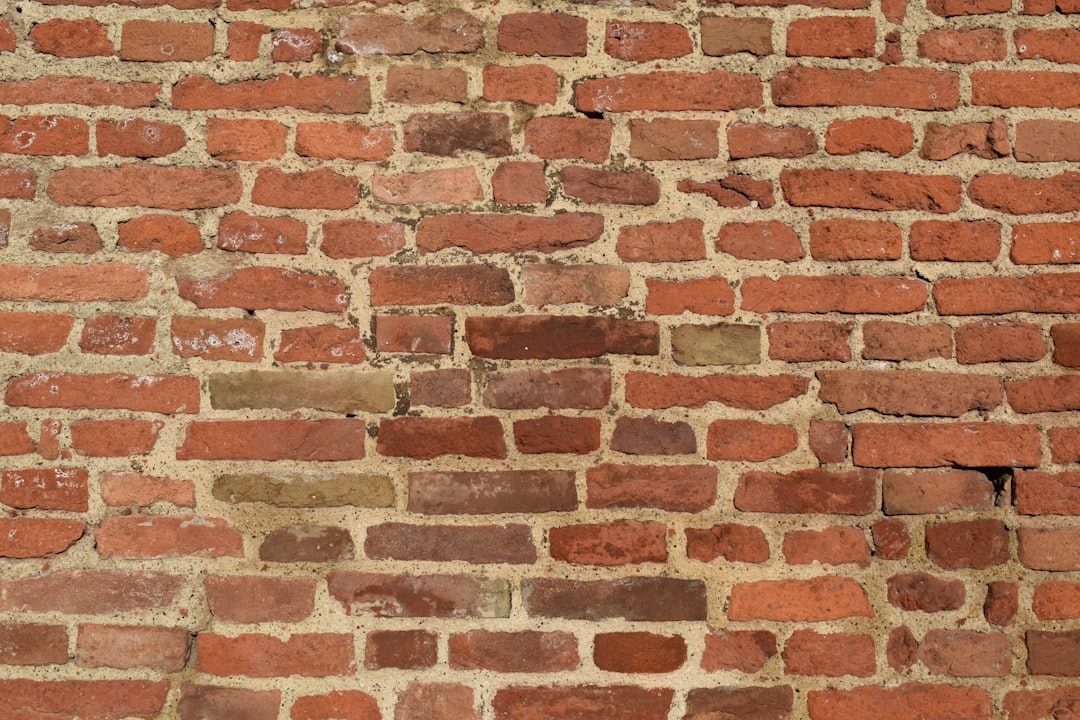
(567, 360)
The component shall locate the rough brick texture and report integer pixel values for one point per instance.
(630, 359)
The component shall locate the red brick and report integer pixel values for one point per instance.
(668, 91)
(321, 189)
(345, 94)
(809, 341)
(855, 240)
(871, 190)
(589, 185)
(29, 644)
(17, 183)
(770, 240)
(910, 701)
(403, 649)
(170, 188)
(677, 488)
(451, 134)
(638, 652)
(807, 652)
(1049, 393)
(241, 232)
(1035, 704)
(205, 702)
(583, 388)
(456, 596)
(545, 34)
(1056, 292)
(151, 41)
(263, 288)
(1002, 603)
(132, 137)
(310, 440)
(547, 337)
(516, 652)
(814, 600)
(90, 592)
(1003, 88)
(14, 440)
(942, 445)
(1049, 548)
(1045, 243)
(457, 186)
(426, 438)
(934, 492)
(435, 701)
(831, 546)
(985, 140)
(836, 293)
(657, 392)
(568, 138)
(926, 593)
(743, 650)
(1018, 195)
(453, 32)
(909, 392)
(413, 333)
(704, 296)
(1047, 141)
(519, 183)
(622, 542)
(759, 703)
(23, 537)
(953, 8)
(956, 241)
(639, 598)
(669, 139)
(886, 340)
(565, 284)
(440, 388)
(644, 41)
(80, 238)
(617, 702)
(31, 699)
(975, 544)
(962, 46)
(245, 139)
(131, 488)
(483, 493)
(350, 704)
(829, 440)
(295, 45)
(305, 542)
(165, 394)
(1056, 45)
(254, 655)
(662, 242)
(78, 90)
(965, 653)
(114, 438)
(244, 39)
(749, 440)
(155, 537)
(34, 333)
(169, 234)
(127, 647)
(555, 434)
(49, 439)
(44, 135)
(1043, 493)
(349, 141)
(650, 436)
(435, 285)
(361, 238)
(733, 542)
(72, 38)
(7, 37)
(914, 88)
(507, 233)
(999, 341)
(1056, 600)
(838, 37)
(869, 134)
(527, 84)
(747, 140)
(733, 191)
(116, 335)
(475, 544)
(213, 339)
(808, 491)
(1064, 444)
(257, 599)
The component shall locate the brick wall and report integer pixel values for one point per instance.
(507, 361)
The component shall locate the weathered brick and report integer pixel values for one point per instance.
(749, 440)
(568, 138)
(371, 34)
(662, 242)
(869, 134)
(621, 542)
(975, 544)
(23, 537)
(447, 543)
(808, 652)
(508, 233)
(264, 288)
(814, 600)
(206, 702)
(679, 488)
(670, 139)
(546, 337)
(230, 139)
(909, 392)
(155, 186)
(132, 646)
(809, 341)
(910, 701)
(528, 651)
(914, 88)
(134, 137)
(749, 392)
(924, 592)
(557, 434)
(32, 644)
(351, 704)
(1049, 548)
(668, 91)
(644, 41)
(651, 436)
(168, 234)
(582, 388)
(743, 650)
(307, 489)
(312, 440)
(403, 649)
(116, 335)
(808, 491)
(344, 94)
(114, 438)
(137, 536)
(72, 38)
(420, 595)
(260, 656)
(733, 542)
(441, 284)
(545, 34)
(259, 599)
(82, 698)
(640, 598)
(166, 394)
(946, 445)
(483, 493)
(426, 438)
(90, 592)
(831, 546)
(305, 542)
(414, 333)
(335, 391)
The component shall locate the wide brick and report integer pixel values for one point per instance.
(451, 134)
(133, 137)
(1049, 548)
(650, 436)
(831, 546)
(32, 333)
(944, 445)
(477, 544)
(266, 288)
(79, 90)
(206, 702)
(444, 284)
(105, 699)
(351, 704)
(914, 88)
(589, 185)
(935, 492)
(168, 234)
(245, 139)
(547, 337)
(304, 542)
(808, 652)
(171, 188)
(1053, 653)
(310, 440)
(732, 35)
(361, 238)
(334, 391)
(58, 488)
(345, 94)
(836, 293)
(910, 701)
(644, 41)
(746, 140)
(1047, 141)
(90, 592)
(924, 592)
(640, 598)
(582, 388)
(152, 41)
(809, 341)
(85, 37)
(526, 84)
(753, 702)
(545, 34)
(1047, 293)
(808, 491)
(999, 341)
(116, 335)
(417, 85)
(834, 36)
(1020, 195)
(528, 651)
(349, 141)
(212, 339)
(871, 190)
(483, 493)
(568, 138)
(31, 644)
(321, 343)
(143, 536)
(508, 233)
(404, 649)
(869, 134)
(457, 596)
(703, 296)
(670, 139)
(1040, 89)
(308, 490)
(259, 599)
(771, 240)
(668, 91)
(743, 650)
(662, 242)
(1044, 493)
(733, 542)
(1035, 704)
(254, 655)
(372, 34)
(1048, 393)
(1056, 600)
(318, 189)
(909, 392)
(749, 440)
(617, 702)
(975, 544)
(955, 241)
(887, 340)
(132, 646)
(114, 438)
(44, 135)
(728, 344)
(621, 542)
(855, 240)
(557, 434)
(962, 46)
(426, 438)
(656, 392)
(814, 600)
(677, 488)
(24, 537)
(241, 232)
(146, 393)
